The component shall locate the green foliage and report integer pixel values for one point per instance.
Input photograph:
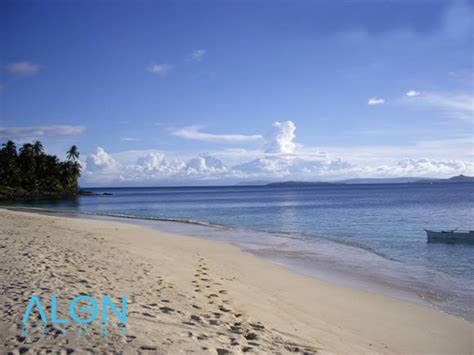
(32, 171)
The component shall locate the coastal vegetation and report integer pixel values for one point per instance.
(28, 172)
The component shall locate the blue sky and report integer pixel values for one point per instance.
(216, 92)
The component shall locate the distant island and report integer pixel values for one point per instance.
(253, 183)
(29, 173)
(401, 180)
(454, 179)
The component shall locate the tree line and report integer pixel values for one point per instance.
(29, 171)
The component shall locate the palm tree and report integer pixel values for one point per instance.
(27, 165)
(37, 148)
(9, 148)
(73, 153)
(31, 171)
(26, 150)
(9, 169)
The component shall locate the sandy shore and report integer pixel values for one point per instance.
(192, 295)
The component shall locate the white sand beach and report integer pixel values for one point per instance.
(190, 295)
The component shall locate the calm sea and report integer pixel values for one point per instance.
(367, 236)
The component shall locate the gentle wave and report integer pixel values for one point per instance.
(123, 215)
(162, 219)
(295, 236)
(287, 235)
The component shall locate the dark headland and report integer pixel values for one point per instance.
(30, 173)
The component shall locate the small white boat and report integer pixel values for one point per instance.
(452, 236)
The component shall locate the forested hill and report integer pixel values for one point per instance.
(28, 172)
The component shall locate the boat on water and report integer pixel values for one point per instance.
(452, 236)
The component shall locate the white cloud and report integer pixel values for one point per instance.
(412, 93)
(38, 131)
(462, 102)
(192, 132)
(293, 167)
(155, 168)
(459, 105)
(154, 165)
(281, 138)
(198, 54)
(417, 168)
(130, 139)
(100, 161)
(152, 161)
(376, 101)
(23, 68)
(159, 69)
(205, 164)
(281, 158)
(423, 167)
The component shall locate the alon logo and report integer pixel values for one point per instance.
(82, 310)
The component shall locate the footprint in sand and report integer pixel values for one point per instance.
(148, 347)
(250, 335)
(257, 326)
(130, 338)
(224, 309)
(236, 329)
(195, 318)
(167, 310)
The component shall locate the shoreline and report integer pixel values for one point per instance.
(334, 274)
(297, 311)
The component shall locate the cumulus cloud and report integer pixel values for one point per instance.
(205, 164)
(154, 168)
(419, 168)
(159, 69)
(23, 68)
(278, 167)
(413, 93)
(100, 161)
(281, 138)
(38, 131)
(102, 168)
(432, 167)
(376, 101)
(152, 161)
(155, 165)
(281, 159)
(198, 54)
(193, 132)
